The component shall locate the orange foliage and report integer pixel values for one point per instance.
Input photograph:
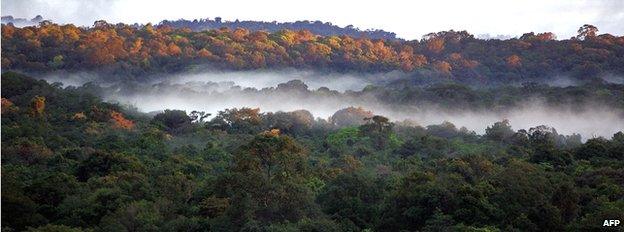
(305, 36)
(204, 53)
(7, 106)
(120, 122)
(120, 46)
(103, 47)
(37, 106)
(443, 67)
(455, 56)
(513, 61)
(239, 34)
(79, 116)
(420, 60)
(271, 133)
(8, 31)
(546, 36)
(136, 46)
(435, 45)
(174, 50)
(470, 63)
(258, 60)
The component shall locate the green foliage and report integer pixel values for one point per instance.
(73, 169)
(173, 121)
(347, 136)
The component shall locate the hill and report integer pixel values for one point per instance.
(129, 51)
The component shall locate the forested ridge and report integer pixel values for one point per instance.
(124, 50)
(316, 27)
(71, 162)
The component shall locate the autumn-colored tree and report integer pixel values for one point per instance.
(37, 106)
(435, 44)
(128, 50)
(103, 47)
(587, 31)
(173, 49)
(513, 61)
(545, 36)
(79, 116)
(119, 121)
(443, 67)
(7, 106)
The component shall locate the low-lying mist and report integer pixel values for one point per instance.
(590, 123)
(324, 94)
(246, 79)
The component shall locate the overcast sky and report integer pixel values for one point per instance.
(408, 20)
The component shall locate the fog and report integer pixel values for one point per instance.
(264, 78)
(325, 93)
(590, 123)
(246, 79)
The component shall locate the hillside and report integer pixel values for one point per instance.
(123, 50)
(71, 162)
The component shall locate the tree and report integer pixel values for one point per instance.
(296, 122)
(435, 44)
(354, 199)
(587, 31)
(350, 116)
(513, 61)
(593, 149)
(379, 129)
(378, 124)
(268, 181)
(277, 155)
(500, 131)
(38, 106)
(545, 36)
(243, 120)
(443, 67)
(173, 121)
(101, 163)
(119, 121)
(198, 116)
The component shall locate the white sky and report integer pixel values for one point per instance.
(409, 19)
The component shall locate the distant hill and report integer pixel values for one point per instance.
(316, 27)
(123, 49)
(22, 22)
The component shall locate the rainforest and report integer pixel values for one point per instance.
(215, 125)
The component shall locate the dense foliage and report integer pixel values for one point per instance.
(316, 27)
(127, 50)
(71, 162)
